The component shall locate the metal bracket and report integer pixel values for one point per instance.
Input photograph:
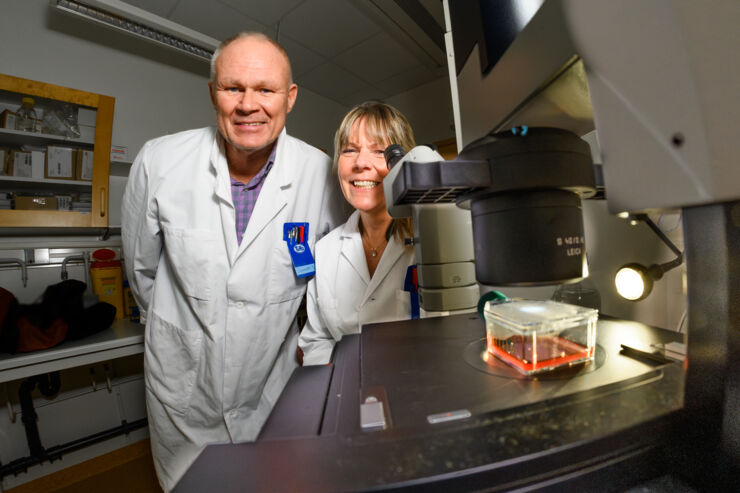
(11, 412)
(107, 377)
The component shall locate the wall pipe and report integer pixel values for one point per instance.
(24, 272)
(49, 385)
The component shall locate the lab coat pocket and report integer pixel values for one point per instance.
(171, 362)
(284, 285)
(190, 252)
(403, 304)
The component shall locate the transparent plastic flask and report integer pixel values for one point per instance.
(25, 117)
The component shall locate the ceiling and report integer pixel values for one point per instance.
(345, 50)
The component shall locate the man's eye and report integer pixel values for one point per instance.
(232, 89)
(265, 91)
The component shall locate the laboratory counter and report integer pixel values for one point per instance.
(458, 422)
(122, 338)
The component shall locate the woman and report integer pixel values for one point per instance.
(361, 266)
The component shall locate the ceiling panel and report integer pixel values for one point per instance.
(345, 50)
(408, 79)
(365, 94)
(268, 12)
(328, 27)
(302, 59)
(213, 19)
(376, 59)
(331, 81)
(435, 8)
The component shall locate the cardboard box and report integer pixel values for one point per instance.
(7, 119)
(60, 163)
(36, 203)
(20, 164)
(38, 164)
(84, 165)
(4, 161)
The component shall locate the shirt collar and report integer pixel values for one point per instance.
(259, 177)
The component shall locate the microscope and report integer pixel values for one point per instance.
(658, 82)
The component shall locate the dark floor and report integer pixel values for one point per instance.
(129, 469)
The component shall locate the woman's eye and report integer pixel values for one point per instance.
(347, 150)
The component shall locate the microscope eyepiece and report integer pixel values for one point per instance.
(393, 153)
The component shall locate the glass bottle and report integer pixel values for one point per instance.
(25, 117)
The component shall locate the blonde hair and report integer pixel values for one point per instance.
(383, 124)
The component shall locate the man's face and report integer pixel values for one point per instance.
(252, 94)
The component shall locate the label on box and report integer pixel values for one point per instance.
(60, 162)
(20, 164)
(64, 202)
(84, 168)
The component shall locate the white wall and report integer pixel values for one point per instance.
(157, 90)
(428, 109)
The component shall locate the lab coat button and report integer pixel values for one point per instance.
(239, 304)
(358, 308)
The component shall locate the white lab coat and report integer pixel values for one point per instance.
(221, 334)
(342, 296)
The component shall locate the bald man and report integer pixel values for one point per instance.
(204, 218)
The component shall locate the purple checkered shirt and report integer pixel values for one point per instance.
(245, 196)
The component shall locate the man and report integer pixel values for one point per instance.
(204, 213)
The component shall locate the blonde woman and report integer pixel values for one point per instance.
(362, 266)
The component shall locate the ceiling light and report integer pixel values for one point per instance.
(123, 17)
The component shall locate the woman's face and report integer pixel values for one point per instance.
(361, 169)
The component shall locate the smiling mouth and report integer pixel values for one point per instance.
(365, 184)
(250, 124)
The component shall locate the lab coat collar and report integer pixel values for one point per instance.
(352, 247)
(273, 196)
(220, 168)
(391, 254)
(352, 250)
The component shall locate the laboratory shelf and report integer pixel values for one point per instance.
(123, 338)
(20, 183)
(19, 137)
(96, 115)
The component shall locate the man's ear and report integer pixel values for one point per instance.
(292, 94)
(212, 95)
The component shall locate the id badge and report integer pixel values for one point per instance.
(296, 236)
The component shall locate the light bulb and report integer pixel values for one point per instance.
(632, 282)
